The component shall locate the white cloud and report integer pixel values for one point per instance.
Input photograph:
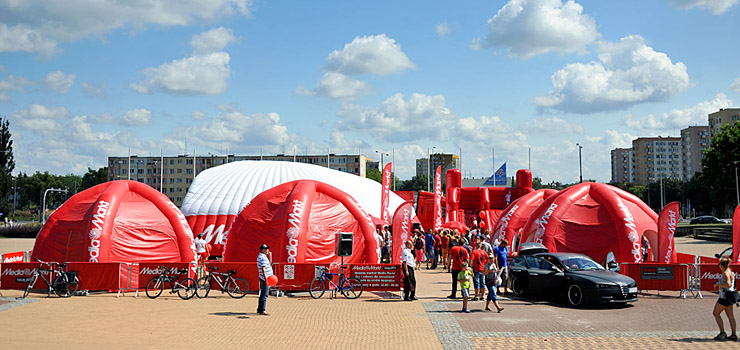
(38, 117)
(213, 40)
(628, 72)
(551, 125)
(735, 85)
(59, 82)
(337, 86)
(93, 90)
(235, 130)
(375, 54)
(104, 118)
(443, 28)
(678, 119)
(38, 25)
(137, 117)
(202, 74)
(197, 115)
(527, 28)
(716, 7)
(12, 83)
(474, 44)
(23, 38)
(397, 119)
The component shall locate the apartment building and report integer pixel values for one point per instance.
(694, 141)
(655, 158)
(172, 175)
(446, 160)
(721, 118)
(621, 165)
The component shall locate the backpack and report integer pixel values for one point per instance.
(419, 243)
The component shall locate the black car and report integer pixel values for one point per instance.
(577, 277)
(727, 253)
(707, 219)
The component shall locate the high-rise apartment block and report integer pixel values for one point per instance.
(172, 175)
(653, 158)
(447, 161)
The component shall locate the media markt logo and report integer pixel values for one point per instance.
(95, 233)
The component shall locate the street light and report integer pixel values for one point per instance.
(580, 163)
(43, 208)
(382, 164)
(429, 168)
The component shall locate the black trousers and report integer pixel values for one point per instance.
(409, 285)
(454, 281)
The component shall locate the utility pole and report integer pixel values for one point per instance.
(580, 163)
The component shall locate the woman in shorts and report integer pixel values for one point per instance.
(726, 285)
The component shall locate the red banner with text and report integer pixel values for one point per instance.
(667, 222)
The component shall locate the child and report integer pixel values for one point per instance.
(464, 278)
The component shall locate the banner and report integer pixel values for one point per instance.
(401, 230)
(438, 198)
(15, 257)
(378, 277)
(385, 195)
(667, 222)
(736, 235)
(499, 176)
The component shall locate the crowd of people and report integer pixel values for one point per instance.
(472, 258)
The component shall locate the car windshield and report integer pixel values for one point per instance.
(581, 264)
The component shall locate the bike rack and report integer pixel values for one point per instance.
(128, 283)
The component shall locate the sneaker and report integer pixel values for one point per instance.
(732, 337)
(501, 309)
(721, 336)
(466, 311)
(264, 313)
(451, 297)
(474, 299)
(488, 309)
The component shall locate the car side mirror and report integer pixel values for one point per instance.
(612, 265)
(716, 256)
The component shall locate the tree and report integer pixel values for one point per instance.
(719, 167)
(7, 165)
(94, 177)
(374, 174)
(417, 183)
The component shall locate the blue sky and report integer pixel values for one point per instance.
(84, 80)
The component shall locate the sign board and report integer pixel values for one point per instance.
(657, 273)
(378, 277)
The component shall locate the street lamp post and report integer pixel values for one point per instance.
(580, 163)
(429, 168)
(43, 207)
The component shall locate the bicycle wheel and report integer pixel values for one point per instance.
(237, 287)
(186, 288)
(73, 285)
(155, 287)
(31, 283)
(61, 287)
(351, 288)
(317, 287)
(203, 287)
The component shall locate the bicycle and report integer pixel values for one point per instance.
(236, 287)
(185, 289)
(350, 287)
(64, 286)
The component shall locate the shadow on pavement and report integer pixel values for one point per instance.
(242, 315)
(694, 340)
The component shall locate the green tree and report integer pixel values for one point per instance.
(719, 167)
(416, 183)
(94, 177)
(374, 174)
(7, 165)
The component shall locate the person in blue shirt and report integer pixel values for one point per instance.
(429, 246)
(264, 261)
(501, 251)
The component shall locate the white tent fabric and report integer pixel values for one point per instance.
(228, 188)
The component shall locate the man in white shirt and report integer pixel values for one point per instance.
(264, 261)
(407, 267)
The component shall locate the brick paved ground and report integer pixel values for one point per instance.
(372, 322)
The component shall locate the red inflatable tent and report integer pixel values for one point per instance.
(299, 220)
(117, 221)
(593, 219)
(515, 216)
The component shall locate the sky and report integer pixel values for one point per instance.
(82, 80)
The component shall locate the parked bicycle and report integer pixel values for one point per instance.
(184, 288)
(236, 287)
(64, 285)
(350, 287)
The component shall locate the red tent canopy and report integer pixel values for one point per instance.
(593, 219)
(118, 221)
(299, 220)
(513, 218)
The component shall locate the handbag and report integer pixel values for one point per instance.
(732, 296)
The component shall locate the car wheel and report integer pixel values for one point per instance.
(516, 286)
(575, 295)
